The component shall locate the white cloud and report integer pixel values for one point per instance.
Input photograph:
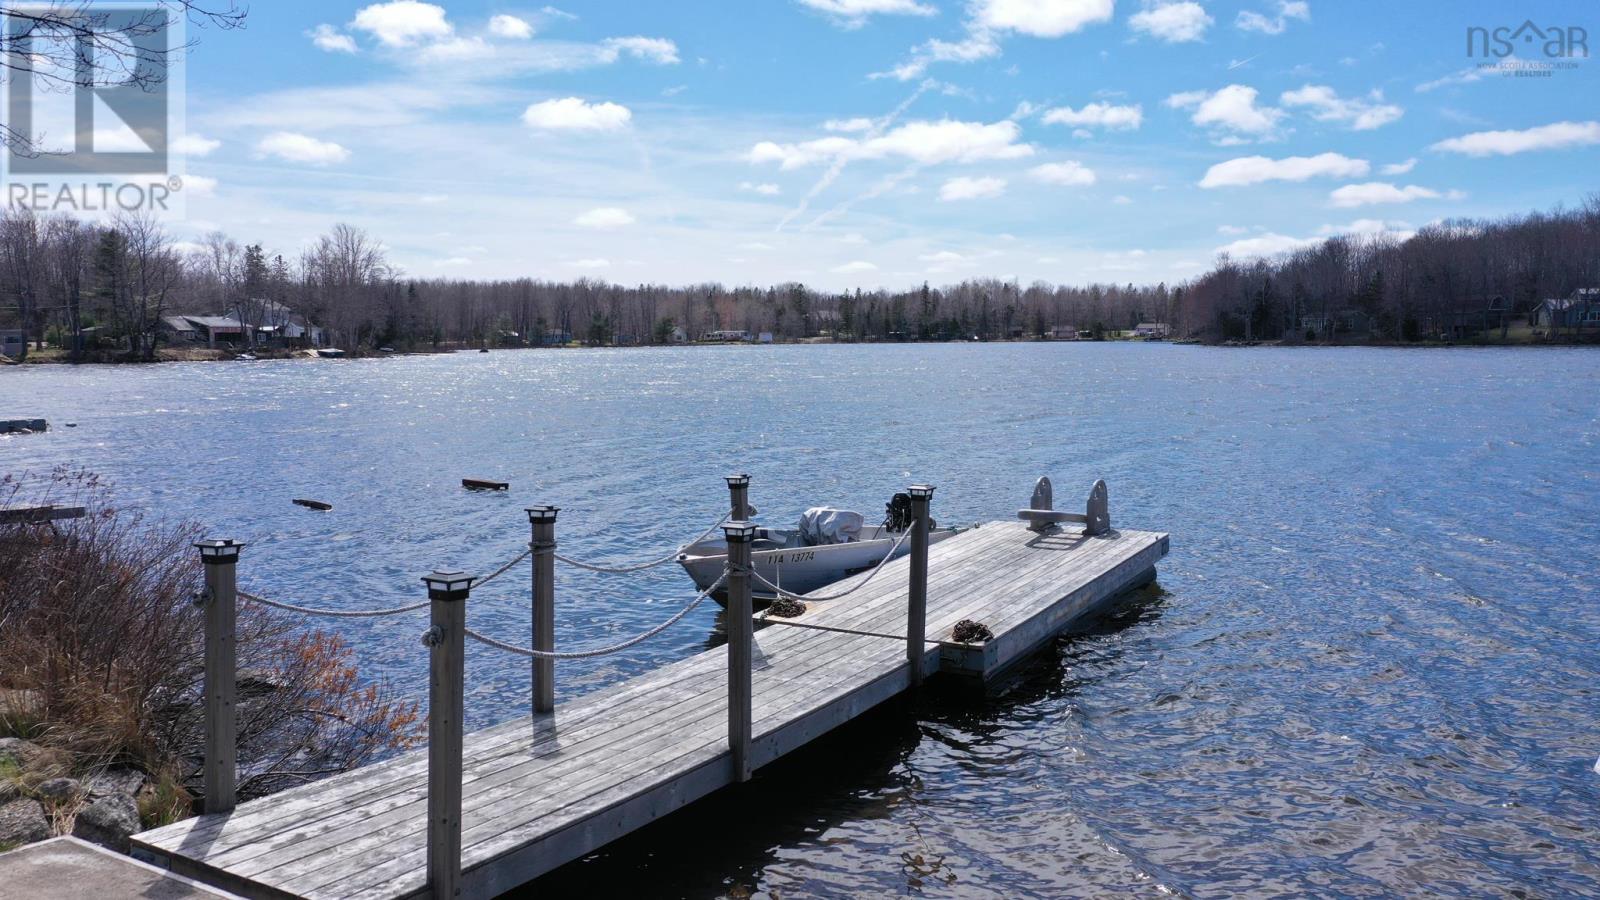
(1505, 143)
(455, 50)
(605, 217)
(1069, 174)
(1231, 230)
(657, 50)
(1327, 106)
(1174, 23)
(854, 13)
(591, 263)
(1371, 227)
(300, 148)
(510, 27)
(1399, 168)
(1103, 115)
(1231, 111)
(326, 37)
(199, 185)
(1247, 170)
(195, 145)
(1122, 200)
(402, 23)
(1268, 244)
(765, 190)
(980, 44)
(454, 262)
(574, 114)
(923, 142)
(1041, 18)
(1249, 20)
(1374, 192)
(965, 188)
(859, 265)
(860, 123)
(1469, 75)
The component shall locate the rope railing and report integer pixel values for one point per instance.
(881, 563)
(640, 567)
(598, 651)
(372, 613)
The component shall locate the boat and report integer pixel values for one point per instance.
(826, 546)
(246, 357)
(330, 353)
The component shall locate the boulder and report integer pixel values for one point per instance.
(18, 752)
(59, 790)
(116, 781)
(108, 822)
(23, 822)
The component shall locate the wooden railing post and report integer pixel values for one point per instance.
(739, 498)
(543, 520)
(741, 625)
(221, 560)
(446, 641)
(917, 613)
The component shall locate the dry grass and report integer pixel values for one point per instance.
(103, 656)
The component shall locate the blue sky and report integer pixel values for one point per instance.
(870, 142)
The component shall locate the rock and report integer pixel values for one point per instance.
(23, 822)
(18, 752)
(108, 822)
(59, 790)
(116, 781)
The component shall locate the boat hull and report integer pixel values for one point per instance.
(798, 570)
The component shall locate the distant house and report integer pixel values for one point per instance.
(1579, 312)
(678, 335)
(217, 331)
(1486, 314)
(556, 337)
(13, 342)
(178, 330)
(1152, 330)
(765, 337)
(725, 336)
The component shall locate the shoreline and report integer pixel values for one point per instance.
(216, 355)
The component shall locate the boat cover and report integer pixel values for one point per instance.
(825, 525)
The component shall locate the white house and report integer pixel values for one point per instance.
(1152, 330)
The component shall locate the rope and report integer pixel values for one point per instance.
(335, 613)
(598, 651)
(503, 569)
(624, 570)
(809, 597)
(374, 613)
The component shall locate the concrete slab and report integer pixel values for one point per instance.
(66, 868)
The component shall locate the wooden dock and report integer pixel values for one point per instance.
(541, 791)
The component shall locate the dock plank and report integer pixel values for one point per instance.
(540, 791)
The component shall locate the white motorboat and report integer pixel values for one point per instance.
(827, 546)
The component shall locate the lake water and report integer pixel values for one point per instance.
(1371, 664)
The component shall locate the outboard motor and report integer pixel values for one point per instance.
(897, 513)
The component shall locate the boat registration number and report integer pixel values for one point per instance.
(799, 556)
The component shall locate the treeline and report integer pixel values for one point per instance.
(61, 277)
(1436, 283)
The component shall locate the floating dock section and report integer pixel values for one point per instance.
(543, 790)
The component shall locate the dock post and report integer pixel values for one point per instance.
(543, 520)
(446, 706)
(917, 614)
(741, 625)
(221, 560)
(739, 495)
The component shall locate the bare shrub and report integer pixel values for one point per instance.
(102, 655)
